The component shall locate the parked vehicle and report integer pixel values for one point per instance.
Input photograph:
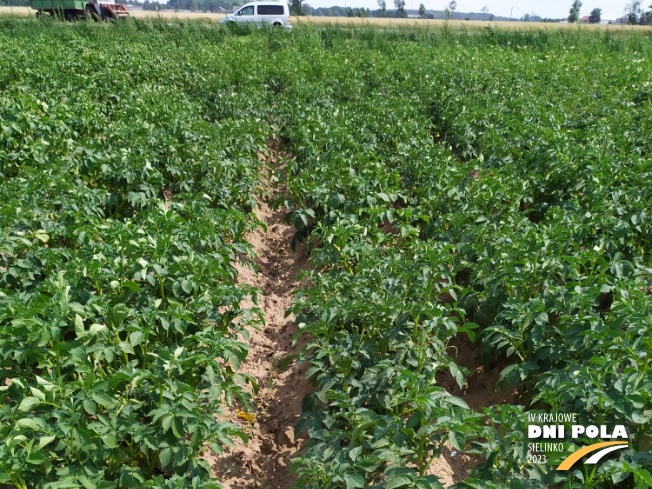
(261, 13)
(80, 9)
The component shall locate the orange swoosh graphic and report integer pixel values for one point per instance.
(575, 456)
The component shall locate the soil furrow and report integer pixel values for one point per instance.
(264, 461)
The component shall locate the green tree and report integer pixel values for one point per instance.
(575, 12)
(634, 12)
(400, 8)
(422, 11)
(646, 17)
(485, 11)
(382, 4)
(594, 17)
(452, 6)
(296, 7)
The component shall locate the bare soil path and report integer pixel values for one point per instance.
(264, 461)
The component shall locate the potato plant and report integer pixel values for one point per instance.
(493, 185)
(126, 193)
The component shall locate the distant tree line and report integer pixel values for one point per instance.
(202, 5)
(147, 5)
(634, 14)
(637, 16)
(383, 11)
(15, 3)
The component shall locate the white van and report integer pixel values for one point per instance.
(270, 13)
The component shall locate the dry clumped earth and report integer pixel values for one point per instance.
(265, 460)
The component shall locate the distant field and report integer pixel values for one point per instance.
(20, 11)
(381, 22)
(456, 23)
(142, 14)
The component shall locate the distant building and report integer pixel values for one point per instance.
(584, 20)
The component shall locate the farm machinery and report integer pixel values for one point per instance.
(80, 9)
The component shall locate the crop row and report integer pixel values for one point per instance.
(126, 190)
(496, 186)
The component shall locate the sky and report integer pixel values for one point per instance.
(611, 9)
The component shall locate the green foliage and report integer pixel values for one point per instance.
(494, 185)
(382, 5)
(296, 7)
(574, 14)
(400, 8)
(125, 193)
(594, 17)
(441, 196)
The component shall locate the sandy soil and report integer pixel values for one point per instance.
(477, 392)
(453, 466)
(265, 460)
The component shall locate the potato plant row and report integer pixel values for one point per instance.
(497, 185)
(126, 189)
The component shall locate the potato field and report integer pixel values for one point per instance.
(467, 202)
